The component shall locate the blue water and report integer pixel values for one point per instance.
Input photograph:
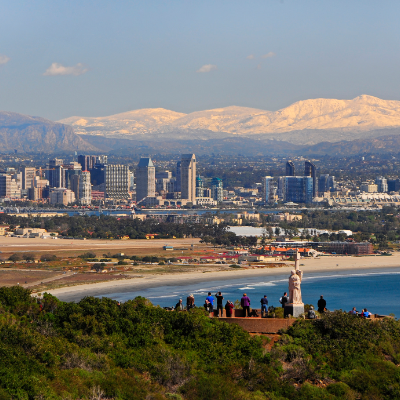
(376, 290)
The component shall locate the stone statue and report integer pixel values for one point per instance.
(294, 287)
(295, 305)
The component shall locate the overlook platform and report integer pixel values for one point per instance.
(267, 325)
(255, 324)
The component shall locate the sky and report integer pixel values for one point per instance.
(96, 58)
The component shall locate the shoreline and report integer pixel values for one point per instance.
(328, 264)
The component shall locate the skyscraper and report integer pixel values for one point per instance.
(28, 177)
(199, 186)
(268, 189)
(116, 179)
(382, 184)
(311, 170)
(178, 177)
(217, 189)
(188, 177)
(290, 170)
(82, 187)
(54, 172)
(326, 183)
(145, 179)
(299, 189)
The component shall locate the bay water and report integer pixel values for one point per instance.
(374, 289)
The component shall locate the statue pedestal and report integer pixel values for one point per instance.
(293, 309)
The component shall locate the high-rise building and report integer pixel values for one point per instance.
(164, 175)
(326, 183)
(116, 180)
(28, 177)
(54, 172)
(199, 186)
(281, 190)
(69, 170)
(382, 184)
(88, 162)
(290, 170)
(311, 170)
(188, 177)
(299, 189)
(393, 185)
(165, 182)
(217, 189)
(145, 179)
(178, 177)
(82, 187)
(269, 189)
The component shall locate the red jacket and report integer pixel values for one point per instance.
(229, 308)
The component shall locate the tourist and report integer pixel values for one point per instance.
(366, 314)
(207, 306)
(321, 304)
(264, 306)
(245, 303)
(284, 299)
(229, 308)
(211, 301)
(220, 305)
(353, 311)
(311, 313)
(179, 306)
(190, 302)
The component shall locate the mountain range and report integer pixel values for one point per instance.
(304, 122)
(34, 134)
(365, 124)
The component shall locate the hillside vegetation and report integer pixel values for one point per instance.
(98, 349)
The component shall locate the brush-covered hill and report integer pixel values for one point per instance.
(100, 349)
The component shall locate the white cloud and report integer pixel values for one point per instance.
(59, 69)
(259, 66)
(4, 59)
(269, 55)
(207, 68)
(250, 57)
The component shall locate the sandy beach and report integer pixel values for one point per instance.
(324, 264)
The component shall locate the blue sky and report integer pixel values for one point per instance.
(95, 58)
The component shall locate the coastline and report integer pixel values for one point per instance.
(325, 264)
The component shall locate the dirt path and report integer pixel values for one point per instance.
(46, 280)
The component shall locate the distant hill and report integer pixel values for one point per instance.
(304, 122)
(34, 134)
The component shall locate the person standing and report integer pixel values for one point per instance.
(220, 305)
(190, 302)
(179, 306)
(321, 304)
(229, 308)
(264, 306)
(284, 299)
(211, 301)
(245, 303)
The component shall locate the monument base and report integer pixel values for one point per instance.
(293, 309)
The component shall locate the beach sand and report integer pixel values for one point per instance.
(324, 264)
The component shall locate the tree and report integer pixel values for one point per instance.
(15, 257)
